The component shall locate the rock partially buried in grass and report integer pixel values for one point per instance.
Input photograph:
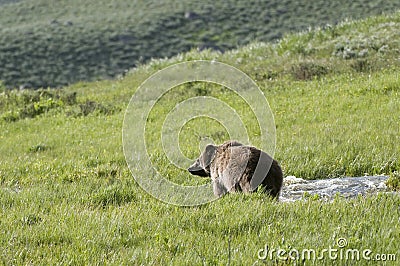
(234, 167)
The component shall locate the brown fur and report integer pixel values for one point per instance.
(234, 167)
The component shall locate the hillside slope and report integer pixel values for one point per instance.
(68, 197)
(307, 78)
(46, 44)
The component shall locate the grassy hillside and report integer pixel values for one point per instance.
(67, 196)
(45, 44)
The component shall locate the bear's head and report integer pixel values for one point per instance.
(201, 166)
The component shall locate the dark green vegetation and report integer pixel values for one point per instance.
(46, 44)
(67, 197)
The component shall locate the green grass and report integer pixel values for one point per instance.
(67, 196)
(45, 45)
(68, 224)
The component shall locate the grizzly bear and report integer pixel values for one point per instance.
(234, 167)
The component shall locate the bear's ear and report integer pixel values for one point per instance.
(232, 143)
(208, 155)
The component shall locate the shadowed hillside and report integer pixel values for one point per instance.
(43, 43)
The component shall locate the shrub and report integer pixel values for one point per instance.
(93, 107)
(308, 71)
(361, 65)
(38, 108)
